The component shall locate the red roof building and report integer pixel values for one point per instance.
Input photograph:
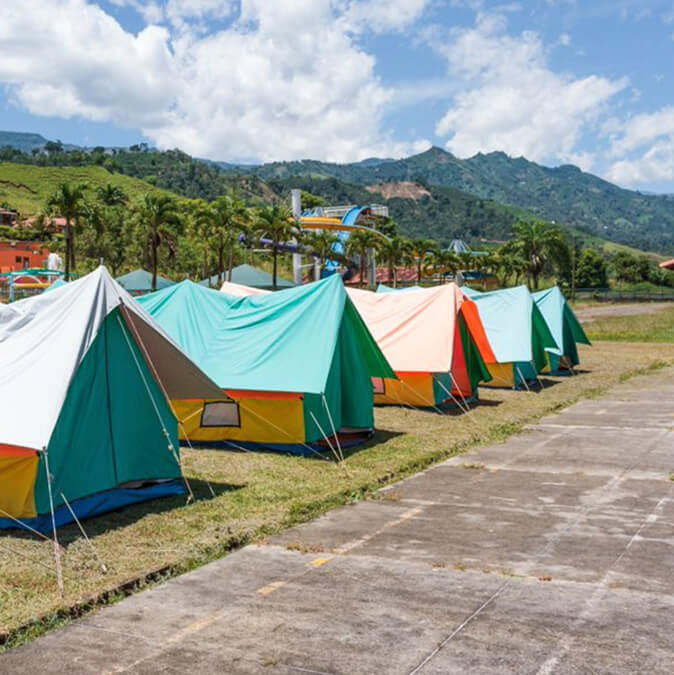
(668, 264)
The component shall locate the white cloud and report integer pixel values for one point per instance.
(283, 80)
(642, 148)
(383, 16)
(510, 99)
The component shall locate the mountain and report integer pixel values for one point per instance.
(21, 141)
(563, 194)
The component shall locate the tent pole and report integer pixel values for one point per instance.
(84, 534)
(327, 440)
(449, 393)
(332, 424)
(187, 438)
(524, 382)
(28, 527)
(456, 384)
(172, 450)
(57, 548)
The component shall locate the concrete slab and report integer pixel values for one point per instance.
(550, 553)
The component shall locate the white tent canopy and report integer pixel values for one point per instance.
(45, 338)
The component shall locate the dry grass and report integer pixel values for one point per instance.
(647, 327)
(259, 494)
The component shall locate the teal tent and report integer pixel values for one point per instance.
(56, 284)
(565, 328)
(517, 334)
(139, 282)
(296, 365)
(247, 275)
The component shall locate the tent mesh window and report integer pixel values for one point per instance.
(221, 414)
(378, 385)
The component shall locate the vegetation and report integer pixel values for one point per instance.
(277, 224)
(259, 494)
(68, 202)
(655, 327)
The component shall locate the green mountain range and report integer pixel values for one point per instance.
(563, 194)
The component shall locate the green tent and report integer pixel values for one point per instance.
(55, 284)
(139, 282)
(517, 334)
(85, 422)
(247, 275)
(565, 328)
(297, 365)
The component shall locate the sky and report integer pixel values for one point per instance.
(586, 82)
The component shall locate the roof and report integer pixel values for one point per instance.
(281, 342)
(668, 264)
(557, 313)
(415, 329)
(48, 336)
(140, 281)
(508, 318)
(248, 275)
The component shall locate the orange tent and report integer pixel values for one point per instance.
(434, 340)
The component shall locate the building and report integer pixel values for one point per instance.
(7, 218)
(668, 264)
(21, 255)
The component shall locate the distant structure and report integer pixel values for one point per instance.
(668, 264)
(459, 246)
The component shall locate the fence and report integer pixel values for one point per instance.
(613, 295)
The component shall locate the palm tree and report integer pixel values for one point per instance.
(228, 216)
(421, 248)
(275, 223)
(159, 224)
(359, 244)
(538, 243)
(398, 251)
(443, 261)
(68, 202)
(111, 195)
(322, 243)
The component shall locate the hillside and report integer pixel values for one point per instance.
(27, 188)
(564, 194)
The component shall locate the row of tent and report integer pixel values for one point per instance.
(98, 388)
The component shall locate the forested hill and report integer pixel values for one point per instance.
(563, 194)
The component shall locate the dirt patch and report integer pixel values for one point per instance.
(402, 190)
(587, 314)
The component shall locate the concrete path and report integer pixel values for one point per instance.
(550, 553)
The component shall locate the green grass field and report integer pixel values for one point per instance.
(258, 494)
(653, 328)
(27, 188)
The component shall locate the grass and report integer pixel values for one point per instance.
(260, 494)
(27, 188)
(653, 328)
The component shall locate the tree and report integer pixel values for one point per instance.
(397, 251)
(591, 270)
(539, 244)
(228, 217)
(631, 268)
(68, 202)
(322, 243)
(421, 248)
(111, 195)
(443, 262)
(277, 224)
(159, 223)
(309, 201)
(359, 244)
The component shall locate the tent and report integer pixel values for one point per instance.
(55, 284)
(297, 365)
(83, 371)
(240, 291)
(433, 339)
(517, 333)
(139, 282)
(565, 329)
(247, 275)
(383, 288)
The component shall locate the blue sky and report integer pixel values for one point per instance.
(587, 82)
